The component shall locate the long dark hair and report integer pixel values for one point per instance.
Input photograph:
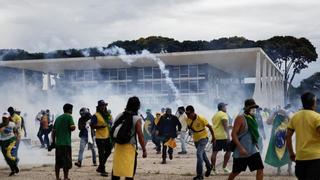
(133, 104)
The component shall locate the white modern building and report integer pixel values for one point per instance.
(216, 75)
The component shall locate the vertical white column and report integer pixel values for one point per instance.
(269, 93)
(257, 87)
(264, 91)
(280, 89)
(273, 87)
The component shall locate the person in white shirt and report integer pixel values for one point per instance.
(183, 121)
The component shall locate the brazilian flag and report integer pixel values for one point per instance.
(277, 154)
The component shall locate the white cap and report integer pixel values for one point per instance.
(5, 115)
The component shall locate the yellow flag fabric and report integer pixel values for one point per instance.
(171, 143)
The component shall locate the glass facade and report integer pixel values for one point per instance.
(189, 79)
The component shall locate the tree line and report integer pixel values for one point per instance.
(290, 54)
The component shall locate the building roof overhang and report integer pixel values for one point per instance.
(239, 62)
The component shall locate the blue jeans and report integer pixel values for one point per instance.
(83, 143)
(201, 155)
(44, 132)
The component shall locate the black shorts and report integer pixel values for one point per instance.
(254, 162)
(308, 169)
(220, 145)
(63, 157)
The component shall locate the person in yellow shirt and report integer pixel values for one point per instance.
(197, 124)
(100, 121)
(221, 132)
(306, 125)
(155, 137)
(17, 121)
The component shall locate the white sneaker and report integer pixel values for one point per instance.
(214, 172)
(226, 170)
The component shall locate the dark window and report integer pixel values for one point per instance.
(184, 71)
(156, 73)
(80, 75)
(113, 74)
(174, 72)
(122, 74)
(140, 73)
(105, 74)
(202, 84)
(193, 71)
(130, 73)
(147, 73)
(184, 85)
(203, 69)
(193, 86)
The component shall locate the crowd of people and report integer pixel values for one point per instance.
(242, 137)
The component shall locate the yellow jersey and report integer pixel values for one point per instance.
(305, 124)
(199, 128)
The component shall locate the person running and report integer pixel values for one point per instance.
(40, 131)
(101, 122)
(167, 130)
(8, 138)
(277, 154)
(44, 124)
(61, 138)
(14, 117)
(23, 124)
(245, 136)
(155, 137)
(198, 124)
(221, 129)
(306, 126)
(86, 136)
(147, 127)
(184, 128)
(125, 155)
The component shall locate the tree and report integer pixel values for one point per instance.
(290, 54)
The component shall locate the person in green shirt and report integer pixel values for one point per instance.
(61, 137)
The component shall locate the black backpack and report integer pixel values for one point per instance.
(121, 129)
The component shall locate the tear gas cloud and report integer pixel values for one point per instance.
(30, 100)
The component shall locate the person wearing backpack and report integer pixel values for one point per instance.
(167, 129)
(126, 127)
(101, 123)
(245, 135)
(197, 124)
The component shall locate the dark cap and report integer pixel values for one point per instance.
(102, 103)
(249, 104)
(221, 105)
(10, 109)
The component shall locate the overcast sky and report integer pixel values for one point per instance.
(43, 25)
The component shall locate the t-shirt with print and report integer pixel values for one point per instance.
(8, 131)
(305, 124)
(62, 127)
(218, 128)
(199, 126)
